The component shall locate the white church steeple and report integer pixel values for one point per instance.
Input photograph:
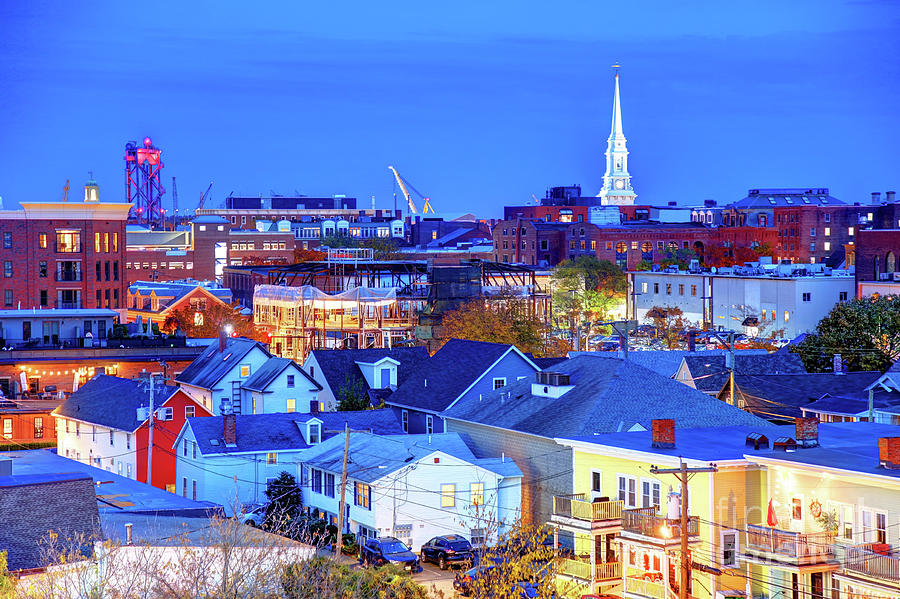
(617, 188)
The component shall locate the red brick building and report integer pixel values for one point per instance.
(876, 254)
(64, 254)
(532, 242)
(26, 421)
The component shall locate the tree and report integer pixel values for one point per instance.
(384, 248)
(302, 255)
(352, 395)
(6, 582)
(865, 332)
(670, 324)
(321, 578)
(589, 290)
(680, 257)
(285, 503)
(209, 322)
(506, 319)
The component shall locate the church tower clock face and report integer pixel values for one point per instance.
(620, 184)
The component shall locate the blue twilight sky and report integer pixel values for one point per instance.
(477, 103)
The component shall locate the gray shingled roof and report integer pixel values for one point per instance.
(270, 370)
(710, 373)
(339, 364)
(665, 361)
(112, 402)
(853, 404)
(608, 395)
(371, 456)
(449, 372)
(780, 396)
(281, 432)
(210, 366)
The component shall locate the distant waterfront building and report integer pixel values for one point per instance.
(758, 298)
(617, 189)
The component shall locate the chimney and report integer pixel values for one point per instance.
(221, 341)
(663, 433)
(128, 526)
(890, 197)
(837, 364)
(807, 431)
(313, 406)
(876, 197)
(229, 423)
(692, 340)
(889, 453)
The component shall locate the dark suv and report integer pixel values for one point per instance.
(447, 550)
(388, 550)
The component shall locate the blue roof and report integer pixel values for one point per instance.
(441, 379)
(664, 361)
(210, 219)
(372, 456)
(607, 395)
(284, 431)
(210, 366)
(112, 401)
(19, 480)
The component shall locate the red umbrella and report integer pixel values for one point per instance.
(772, 519)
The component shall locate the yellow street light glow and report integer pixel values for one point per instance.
(665, 531)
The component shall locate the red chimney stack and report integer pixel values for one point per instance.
(663, 433)
(229, 423)
(807, 431)
(889, 452)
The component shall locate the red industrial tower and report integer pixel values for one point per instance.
(143, 183)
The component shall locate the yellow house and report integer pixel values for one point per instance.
(620, 532)
(833, 529)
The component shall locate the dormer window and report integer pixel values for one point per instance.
(554, 379)
(313, 433)
(499, 382)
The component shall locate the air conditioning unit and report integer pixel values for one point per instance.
(896, 276)
(885, 276)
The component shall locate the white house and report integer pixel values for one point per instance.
(755, 299)
(413, 487)
(280, 385)
(230, 459)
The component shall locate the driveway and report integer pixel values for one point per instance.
(437, 581)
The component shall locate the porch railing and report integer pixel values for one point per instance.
(645, 522)
(863, 559)
(795, 545)
(574, 506)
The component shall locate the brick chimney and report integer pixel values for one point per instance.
(889, 453)
(313, 406)
(663, 433)
(222, 340)
(807, 431)
(229, 423)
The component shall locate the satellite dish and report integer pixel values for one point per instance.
(713, 270)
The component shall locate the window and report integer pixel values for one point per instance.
(850, 231)
(127, 440)
(655, 287)
(245, 370)
(694, 290)
(812, 232)
(787, 316)
(880, 528)
(112, 437)
(68, 241)
(680, 289)
(184, 487)
(7, 240)
(429, 424)
(97, 243)
(106, 242)
(628, 490)
(42, 269)
(7, 428)
(316, 476)
(650, 493)
(189, 411)
(477, 536)
(499, 382)
(846, 516)
(644, 287)
(42, 240)
(194, 490)
(729, 548)
(43, 297)
(7, 269)
(290, 380)
(827, 231)
(668, 288)
(404, 420)
(596, 480)
(842, 296)
(314, 433)
(115, 242)
(807, 296)
(827, 246)
(797, 508)
(291, 405)
(448, 495)
(329, 484)
(164, 413)
(362, 495)
(38, 427)
(271, 458)
(184, 447)
(476, 493)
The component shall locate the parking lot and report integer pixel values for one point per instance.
(438, 582)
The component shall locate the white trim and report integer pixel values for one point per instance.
(720, 553)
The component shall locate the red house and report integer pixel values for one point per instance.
(106, 424)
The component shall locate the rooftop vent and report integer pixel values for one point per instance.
(757, 441)
(784, 444)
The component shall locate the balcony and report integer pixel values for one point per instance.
(644, 522)
(786, 546)
(580, 568)
(864, 560)
(599, 514)
(68, 275)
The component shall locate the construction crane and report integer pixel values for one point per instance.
(203, 196)
(405, 186)
(174, 204)
(66, 191)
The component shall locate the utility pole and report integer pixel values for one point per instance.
(150, 438)
(339, 542)
(683, 474)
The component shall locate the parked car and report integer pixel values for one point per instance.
(254, 515)
(464, 583)
(388, 550)
(447, 550)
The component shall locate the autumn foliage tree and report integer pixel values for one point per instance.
(670, 323)
(209, 322)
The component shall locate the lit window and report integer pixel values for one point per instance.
(827, 231)
(362, 495)
(188, 411)
(448, 495)
(787, 316)
(42, 240)
(291, 405)
(796, 509)
(850, 231)
(245, 370)
(476, 493)
(272, 458)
